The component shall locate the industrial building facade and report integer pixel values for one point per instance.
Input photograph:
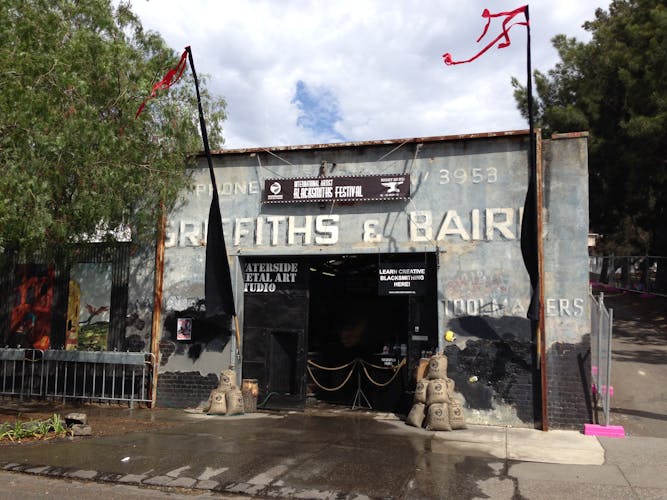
(384, 252)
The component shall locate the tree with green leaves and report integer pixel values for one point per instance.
(74, 160)
(615, 87)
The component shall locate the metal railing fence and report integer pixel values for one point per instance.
(602, 320)
(637, 273)
(93, 376)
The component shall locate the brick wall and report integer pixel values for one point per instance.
(504, 371)
(568, 385)
(184, 389)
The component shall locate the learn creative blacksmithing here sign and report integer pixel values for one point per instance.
(402, 278)
(344, 189)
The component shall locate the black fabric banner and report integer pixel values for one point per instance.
(217, 280)
(529, 228)
(529, 245)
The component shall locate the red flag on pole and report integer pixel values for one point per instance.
(504, 34)
(172, 76)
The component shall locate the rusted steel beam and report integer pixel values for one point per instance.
(540, 263)
(157, 300)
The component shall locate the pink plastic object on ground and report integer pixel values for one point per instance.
(614, 431)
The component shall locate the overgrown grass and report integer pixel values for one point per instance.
(34, 429)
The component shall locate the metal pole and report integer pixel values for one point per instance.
(541, 328)
(600, 313)
(608, 395)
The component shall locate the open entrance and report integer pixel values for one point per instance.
(371, 318)
(344, 329)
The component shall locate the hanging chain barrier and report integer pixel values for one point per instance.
(354, 364)
(331, 389)
(335, 368)
(396, 369)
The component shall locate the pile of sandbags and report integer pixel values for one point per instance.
(227, 398)
(435, 407)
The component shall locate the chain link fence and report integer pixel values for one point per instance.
(641, 274)
(602, 320)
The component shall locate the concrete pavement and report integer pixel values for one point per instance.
(351, 455)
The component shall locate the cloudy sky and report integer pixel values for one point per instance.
(303, 72)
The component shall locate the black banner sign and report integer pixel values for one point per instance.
(396, 278)
(270, 277)
(323, 189)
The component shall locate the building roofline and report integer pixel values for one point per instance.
(384, 142)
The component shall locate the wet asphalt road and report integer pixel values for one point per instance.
(297, 455)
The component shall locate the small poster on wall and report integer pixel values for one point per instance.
(184, 329)
(402, 278)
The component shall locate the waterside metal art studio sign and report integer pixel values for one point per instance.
(340, 189)
(270, 277)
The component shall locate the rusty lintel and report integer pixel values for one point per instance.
(569, 135)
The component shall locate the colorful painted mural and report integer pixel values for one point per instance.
(93, 281)
(73, 306)
(32, 309)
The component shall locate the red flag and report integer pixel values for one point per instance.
(504, 34)
(172, 76)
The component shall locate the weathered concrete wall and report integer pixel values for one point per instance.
(140, 300)
(466, 205)
(567, 308)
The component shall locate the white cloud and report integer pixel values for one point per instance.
(381, 60)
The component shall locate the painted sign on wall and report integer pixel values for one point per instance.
(270, 277)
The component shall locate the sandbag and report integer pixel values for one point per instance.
(436, 392)
(416, 415)
(456, 419)
(450, 388)
(437, 367)
(420, 391)
(218, 403)
(438, 417)
(227, 379)
(234, 401)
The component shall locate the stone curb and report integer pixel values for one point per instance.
(183, 482)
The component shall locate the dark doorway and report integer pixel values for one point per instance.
(304, 315)
(274, 332)
(283, 360)
(358, 334)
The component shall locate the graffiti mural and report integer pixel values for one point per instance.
(32, 308)
(92, 282)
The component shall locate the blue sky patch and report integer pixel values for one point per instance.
(319, 111)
